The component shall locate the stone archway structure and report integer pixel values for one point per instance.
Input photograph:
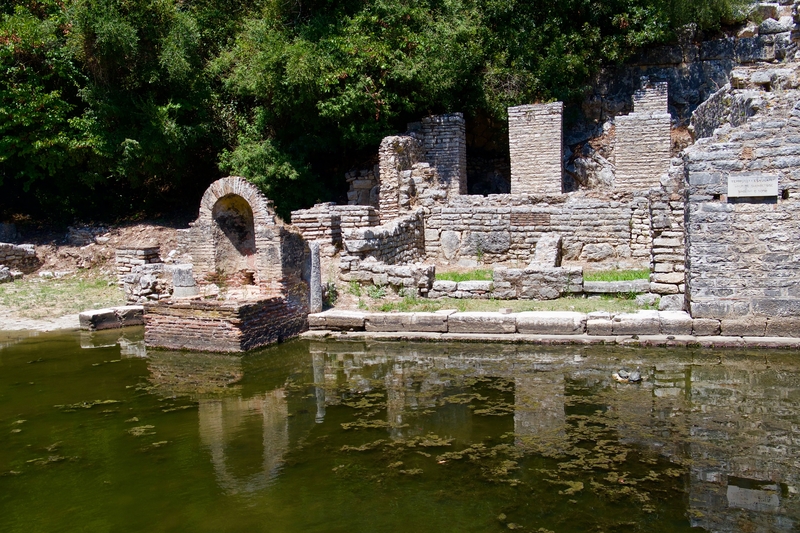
(238, 240)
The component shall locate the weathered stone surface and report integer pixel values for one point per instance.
(616, 287)
(599, 323)
(5, 274)
(551, 323)
(474, 322)
(675, 323)
(705, 326)
(110, 318)
(783, 327)
(431, 322)
(344, 320)
(752, 326)
(671, 302)
(597, 252)
(475, 286)
(548, 250)
(640, 323)
(442, 285)
(450, 243)
(315, 279)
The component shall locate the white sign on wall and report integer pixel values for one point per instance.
(758, 185)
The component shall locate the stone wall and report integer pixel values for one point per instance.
(396, 155)
(237, 237)
(222, 326)
(535, 138)
(642, 147)
(18, 256)
(134, 255)
(505, 228)
(398, 242)
(532, 283)
(413, 279)
(742, 252)
(363, 187)
(445, 148)
(325, 222)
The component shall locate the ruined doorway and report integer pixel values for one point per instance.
(234, 238)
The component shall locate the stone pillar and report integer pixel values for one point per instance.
(396, 154)
(315, 282)
(643, 142)
(183, 284)
(535, 138)
(445, 148)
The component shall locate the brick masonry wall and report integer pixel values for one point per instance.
(743, 255)
(222, 326)
(535, 137)
(129, 257)
(642, 150)
(505, 227)
(445, 148)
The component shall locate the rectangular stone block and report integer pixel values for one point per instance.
(344, 320)
(551, 323)
(752, 326)
(675, 323)
(783, 327)
(475, 322)
(599, 323)
(705, 326)
(388, 322)
(640, 323)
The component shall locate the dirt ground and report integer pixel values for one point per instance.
(71, 278)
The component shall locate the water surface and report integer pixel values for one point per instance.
(97, 434)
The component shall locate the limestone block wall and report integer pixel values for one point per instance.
(19, 256)
(535, 137)
(147, 282)
(743, 253)
(401, 241)
(506, 227)
(413, 279)
(444, 146)
(396, 155)
(325, 222)
(363, 187)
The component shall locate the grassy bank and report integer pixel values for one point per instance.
(34, 297)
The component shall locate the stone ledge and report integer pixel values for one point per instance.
(516, 338)
(112, 318)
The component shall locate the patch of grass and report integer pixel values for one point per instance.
(376, 292)
(354, 288)
(616, 275)
(37, 298)
(476, 275)
(610, 304)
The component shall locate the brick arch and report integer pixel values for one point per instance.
(263, 212)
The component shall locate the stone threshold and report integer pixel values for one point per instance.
(545, 324)
(681, 341)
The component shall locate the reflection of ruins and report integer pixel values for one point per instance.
(736, 424)
(730, 425)
(228, 424)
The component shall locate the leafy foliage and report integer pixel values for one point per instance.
(123, 105)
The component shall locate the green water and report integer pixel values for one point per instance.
(351, 437)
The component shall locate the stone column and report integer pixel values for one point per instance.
(315, 281)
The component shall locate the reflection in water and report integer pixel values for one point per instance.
(728, 432)
(223, 421)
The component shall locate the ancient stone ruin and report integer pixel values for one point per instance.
(247, 284)
(715, 225)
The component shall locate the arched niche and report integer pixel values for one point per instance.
(234, 236)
